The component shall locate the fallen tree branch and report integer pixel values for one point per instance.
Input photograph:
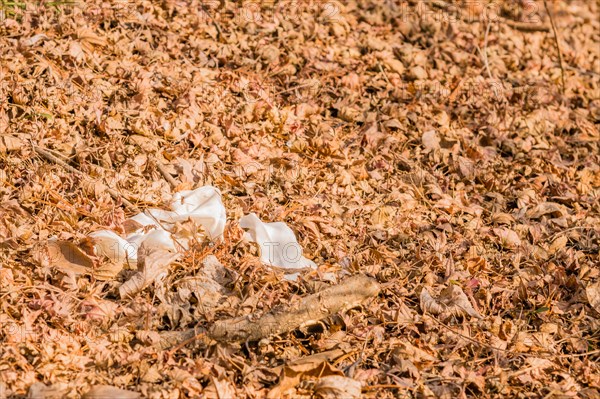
(349, 294)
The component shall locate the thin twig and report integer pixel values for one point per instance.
(52, 158)
(525, 26)
(163, 171)
(560, 57)
(383, 72)
(485, 54)
(508, 351)
(384, 386)
(522, 26)
(215, 23)
(201, 334)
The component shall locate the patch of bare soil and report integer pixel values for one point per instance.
(447, 150)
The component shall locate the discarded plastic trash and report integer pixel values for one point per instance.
(278, 244)
(154, 231)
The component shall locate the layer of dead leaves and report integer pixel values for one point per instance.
(398, 139)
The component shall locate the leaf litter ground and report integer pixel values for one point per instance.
(431, 146)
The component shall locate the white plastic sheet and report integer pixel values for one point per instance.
(278, 244)
(154, 232)
(203, 206)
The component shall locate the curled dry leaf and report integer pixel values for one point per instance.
(291, 376)
(502, 218)
(214, 270)
(208, 285)
(207, 291)
(219, 388)
(107, 271)
(508, 238)
(558, 244)
(109, 392)
(10, 143)
(592, 292)
(109, 244)
(430, 140)
(452, 300)
(547, 208)
(336, 386)
(429, 304)
(277, 243)
(154, 264)
(395, 65)
(67, 258)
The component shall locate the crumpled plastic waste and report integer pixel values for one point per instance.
(278, 245)
(154, 230)
(154, 227)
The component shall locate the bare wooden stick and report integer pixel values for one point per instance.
(220, 36)
(113, 193)
(522, 26)
(349, 294)
(485, 51)
(165, 173)
(383, 72)
(525, 26)
(560, 57)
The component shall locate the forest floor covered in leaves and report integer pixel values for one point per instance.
(437, 148)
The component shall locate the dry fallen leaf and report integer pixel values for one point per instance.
(508, 238)
(558, 244)
(292, 374)
(430, 140)
(68, 258)
(152, 265)
(547, 208)
(41, 391)
(207, 291)
(109, 392)
(593, 295)
(337, 387)
(429, 304)
(392, 141)
(10, 143)
(218, 389)
(452, 300)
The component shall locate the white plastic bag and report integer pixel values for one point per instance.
(278, 244)
(203, 206)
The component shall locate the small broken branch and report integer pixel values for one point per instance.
(525, 26)
(557, 42)
(165, 173)
(113, 193)
(220, 36)
(522, 26)
(349, 294)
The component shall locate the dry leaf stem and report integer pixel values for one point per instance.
(560, 56)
